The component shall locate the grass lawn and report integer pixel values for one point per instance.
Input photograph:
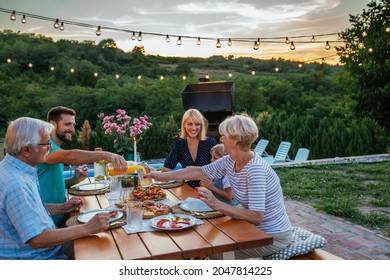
(358, 192)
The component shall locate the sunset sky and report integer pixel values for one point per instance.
(274, 19)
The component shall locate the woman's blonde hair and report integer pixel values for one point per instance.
(240, 128)
(218, 149)
(199, 118)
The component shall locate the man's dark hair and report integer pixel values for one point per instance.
(55, 113)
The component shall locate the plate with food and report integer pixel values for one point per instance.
(86, 216)
(150, 208)
(150, 193)
(92, 186)
(196, 205)
(172, 222)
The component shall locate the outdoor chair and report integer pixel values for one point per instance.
(281, 154)
(302, 155)
(260, 148)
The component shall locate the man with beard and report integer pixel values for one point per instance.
(52, 184)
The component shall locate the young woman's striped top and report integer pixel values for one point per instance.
(256, 187)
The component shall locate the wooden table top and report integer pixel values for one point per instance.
(216, 235)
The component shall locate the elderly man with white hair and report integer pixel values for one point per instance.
(27, 230)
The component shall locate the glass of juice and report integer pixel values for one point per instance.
(144, 182)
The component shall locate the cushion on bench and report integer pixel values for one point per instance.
(303, 241)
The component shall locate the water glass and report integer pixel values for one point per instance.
(134, 215)
(115, 190)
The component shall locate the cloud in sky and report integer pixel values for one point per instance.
(216, 19)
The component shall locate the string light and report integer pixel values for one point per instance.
(300, 65)
(327, 46)
(313, 39)
(23, 20)
(230, 74)
(253, 72)
(370, 50)
(52, 68)
(13, 15)
(117, 76)
(323, 60)
(139, 77)
(56, 24)
(292, 46)
(387, 29)
(198, 41)
(30, 65)
(179, 42)
(139, 37)
(207, 76)
(95, 74)
(133, 36)
(364, 34)
(62, 27)
(184, 77)
(167, 39)
(287, 41)
(277, 69)
(361, 45)
(9, 60)
(218, 44)
(229, 43)
(161, 77)
(339, 36)
(256, 45)
(98, 31)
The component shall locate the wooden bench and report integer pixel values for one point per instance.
(317, 254)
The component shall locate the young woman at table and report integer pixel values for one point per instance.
(193, 147)
(254, 184)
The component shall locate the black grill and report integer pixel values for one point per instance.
(213, 99)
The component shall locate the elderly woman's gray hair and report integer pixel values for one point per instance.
(24, 132)
(240, 128)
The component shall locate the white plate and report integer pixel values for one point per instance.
(195, 205)
(86, 216)
(161, 183)
(92, 186)
(168, 224)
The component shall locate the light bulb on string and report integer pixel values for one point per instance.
(179, 41)
(117, 76)
(230, 74)
(387, 29)
(71, 70)
(9, 60)
(370, 50)
(167, 39)
(184, 77)
(253, 73)
(292, 46)
(361, 45)
(133, 36)
(13, 15)
(327, 46)
(23, 20)
(287, 41)
(198, 41)
(364, 33)
(52, 68)
(300, 65)
(255, 46)
(277, 69)
(313, 39)
(95, 74)
(62, 27)
(139, 37)
(207, 76)
(56, 24)
(339, 36)
(218, 44)
(139, 77)
(30, 65)
(323, 60)
(229, 43)
(161, 77)
(98, 31)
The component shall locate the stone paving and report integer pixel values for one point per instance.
(345, 239)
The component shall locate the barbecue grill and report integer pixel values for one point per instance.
(213, 99)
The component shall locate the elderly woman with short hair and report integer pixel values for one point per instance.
(254, 184)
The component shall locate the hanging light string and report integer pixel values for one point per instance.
(229, 40)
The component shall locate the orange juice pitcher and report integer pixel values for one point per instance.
(131, 168)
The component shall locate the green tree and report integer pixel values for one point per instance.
(366, 55)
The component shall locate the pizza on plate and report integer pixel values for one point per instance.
(151, 193)
(150, 208)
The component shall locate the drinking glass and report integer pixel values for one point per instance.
(144, 182)
(134, 215)
(115, 190)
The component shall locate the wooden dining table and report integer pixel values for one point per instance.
(221, 235)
